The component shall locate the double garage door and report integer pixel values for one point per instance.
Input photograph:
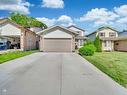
(57, 45)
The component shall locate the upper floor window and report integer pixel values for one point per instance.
(112, 34)
(80, 33)
(101, 34)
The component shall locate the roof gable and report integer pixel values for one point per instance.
(58, 34)
(76, 28)
(53, 28)
(106, 27)
(8, 21)
(9, 29)
(102, 28)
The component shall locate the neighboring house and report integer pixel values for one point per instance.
(3, 43)
(80, 38)
(17, 36)
(107, 35)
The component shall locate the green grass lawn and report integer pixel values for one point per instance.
(13, 55)
(113, 64)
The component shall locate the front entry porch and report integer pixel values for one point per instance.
(107, 45)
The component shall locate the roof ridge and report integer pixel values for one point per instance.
(75, 27)
(54, 26)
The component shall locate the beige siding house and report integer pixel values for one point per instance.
(61, 39)
(57, 39)
(17, 36)
(107, 36)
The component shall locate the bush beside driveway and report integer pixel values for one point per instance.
(4, 57)
(113, 64)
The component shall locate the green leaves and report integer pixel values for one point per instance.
(26, 21)
(97, 44)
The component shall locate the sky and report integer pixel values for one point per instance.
(86, 14)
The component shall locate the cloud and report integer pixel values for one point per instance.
(10, 1)
(66, 20)
(117, 16)
(53, 3)
(122, 10)
(15, 6)
(62, 20)
(27, 4)
(47, 21)
(99, 16)
(122, 20)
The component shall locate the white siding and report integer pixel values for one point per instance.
(77, 30)
(58, 34)
(107, 31)
(9, 29)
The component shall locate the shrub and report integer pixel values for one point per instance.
(97, 44)
(87, 50)
(92, 47)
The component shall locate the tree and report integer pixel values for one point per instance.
(26, 21)
(97, 44)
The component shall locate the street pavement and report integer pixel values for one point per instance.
(55, 74)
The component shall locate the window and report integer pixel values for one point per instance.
(102, 34)
(112, 34)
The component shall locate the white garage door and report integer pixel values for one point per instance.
(57, 45)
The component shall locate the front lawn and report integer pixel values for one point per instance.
(13, 55)
(113, 64)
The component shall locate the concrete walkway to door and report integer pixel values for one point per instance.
(55, 74)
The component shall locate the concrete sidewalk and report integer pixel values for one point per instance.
(55, 74)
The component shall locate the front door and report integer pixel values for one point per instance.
(108, 45)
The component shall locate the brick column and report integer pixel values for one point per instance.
(22, 40)
(41, 44)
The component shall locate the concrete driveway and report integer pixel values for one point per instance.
(55, 74)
